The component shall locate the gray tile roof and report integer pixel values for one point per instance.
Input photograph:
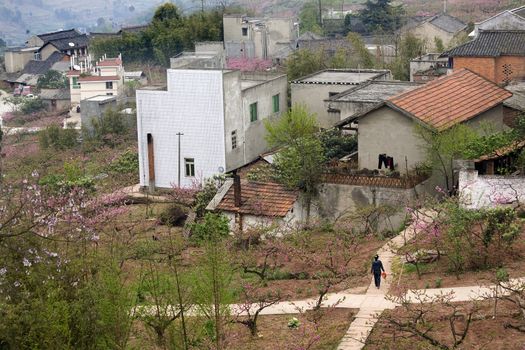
(63, 34)
(41, 67)
(63, 44)
(448, 23)
(55, 94)
(492, 43)
(375, 91)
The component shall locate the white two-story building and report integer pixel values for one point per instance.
(217, 118)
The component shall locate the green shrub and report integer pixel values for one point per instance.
(127, 162)
(438, 282)
(71, 177)
(175, 215)
(211, 227)
(58, 138)
(30, 105)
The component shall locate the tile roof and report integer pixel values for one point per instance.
(492, 43)
(260, 198)
(448, 23)
(450, 100)
(55, 94)
(62, 34)
(64, 43)
(99, 78)
(110, 62)
(41, 67)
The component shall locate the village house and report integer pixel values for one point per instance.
(428, 67)
(498, 55)
(349, 103)
(513, 19)
(209, 54)
(443, 27)
(106, 78)
(216, 116)
(56, 100)
(387, 131)
(249, 37)
(42, 46)
(252, 204)
(312, 90)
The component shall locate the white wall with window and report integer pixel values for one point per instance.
(193, 105)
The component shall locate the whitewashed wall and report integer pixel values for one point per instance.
(192, 105)
(488, 191)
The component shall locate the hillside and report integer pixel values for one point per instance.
(22, 18)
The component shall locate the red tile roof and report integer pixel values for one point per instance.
(110, 62)
(99, 78)
(260, 198)
(74, 73)
(450, 100)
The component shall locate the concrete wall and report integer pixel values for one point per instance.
(504, 20)
(313, 96)
(234, 120)
(427, 32)
(387, 131)
(35, 41)
(90, 89)
(47, 51)
(255, 132)
(15, 61)
(90, 110)
(488, 191)
(347, 108)
(424, 64)
(192, 105)
(59, 105)
(489, 122)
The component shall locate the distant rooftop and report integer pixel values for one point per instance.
(101, 98)
(22, 49)
(374, 91)
(448, 23)
(492, 43)
(342, 76)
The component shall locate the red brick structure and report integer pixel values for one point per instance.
(498, 55)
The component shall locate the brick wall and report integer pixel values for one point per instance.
(484, 66)
(498, 69)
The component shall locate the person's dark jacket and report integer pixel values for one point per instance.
(377, 267)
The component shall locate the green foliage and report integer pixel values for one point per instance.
(438, 43)
(444, 147)
(58, 138)
(71, 177)
(204, 196)
(409, 48)
(107, 130)
(126, 163)
(477, 239)
(300, 159)
(502, 275)
(31, 105)
(52, 79)
(380, 15)
(336, 144)
(168, 34)
(365, 57)
(296, 124)
(212, 228)
(309, 18)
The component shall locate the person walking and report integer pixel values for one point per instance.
(377, 267)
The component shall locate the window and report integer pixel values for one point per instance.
(76, 85)
(253, 112)
(189, 166)
(37, 56)
(234, 139)
(109, 85)
(275, 103)
(109, 93)
(244, 31)
(330, 94)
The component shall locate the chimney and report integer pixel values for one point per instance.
(236, 189)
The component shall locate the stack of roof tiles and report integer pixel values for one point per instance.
(260, 198)
(450, 100)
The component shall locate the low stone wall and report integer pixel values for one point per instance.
(488, 191)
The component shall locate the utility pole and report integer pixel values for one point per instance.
(179, 134)
(320, 13)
